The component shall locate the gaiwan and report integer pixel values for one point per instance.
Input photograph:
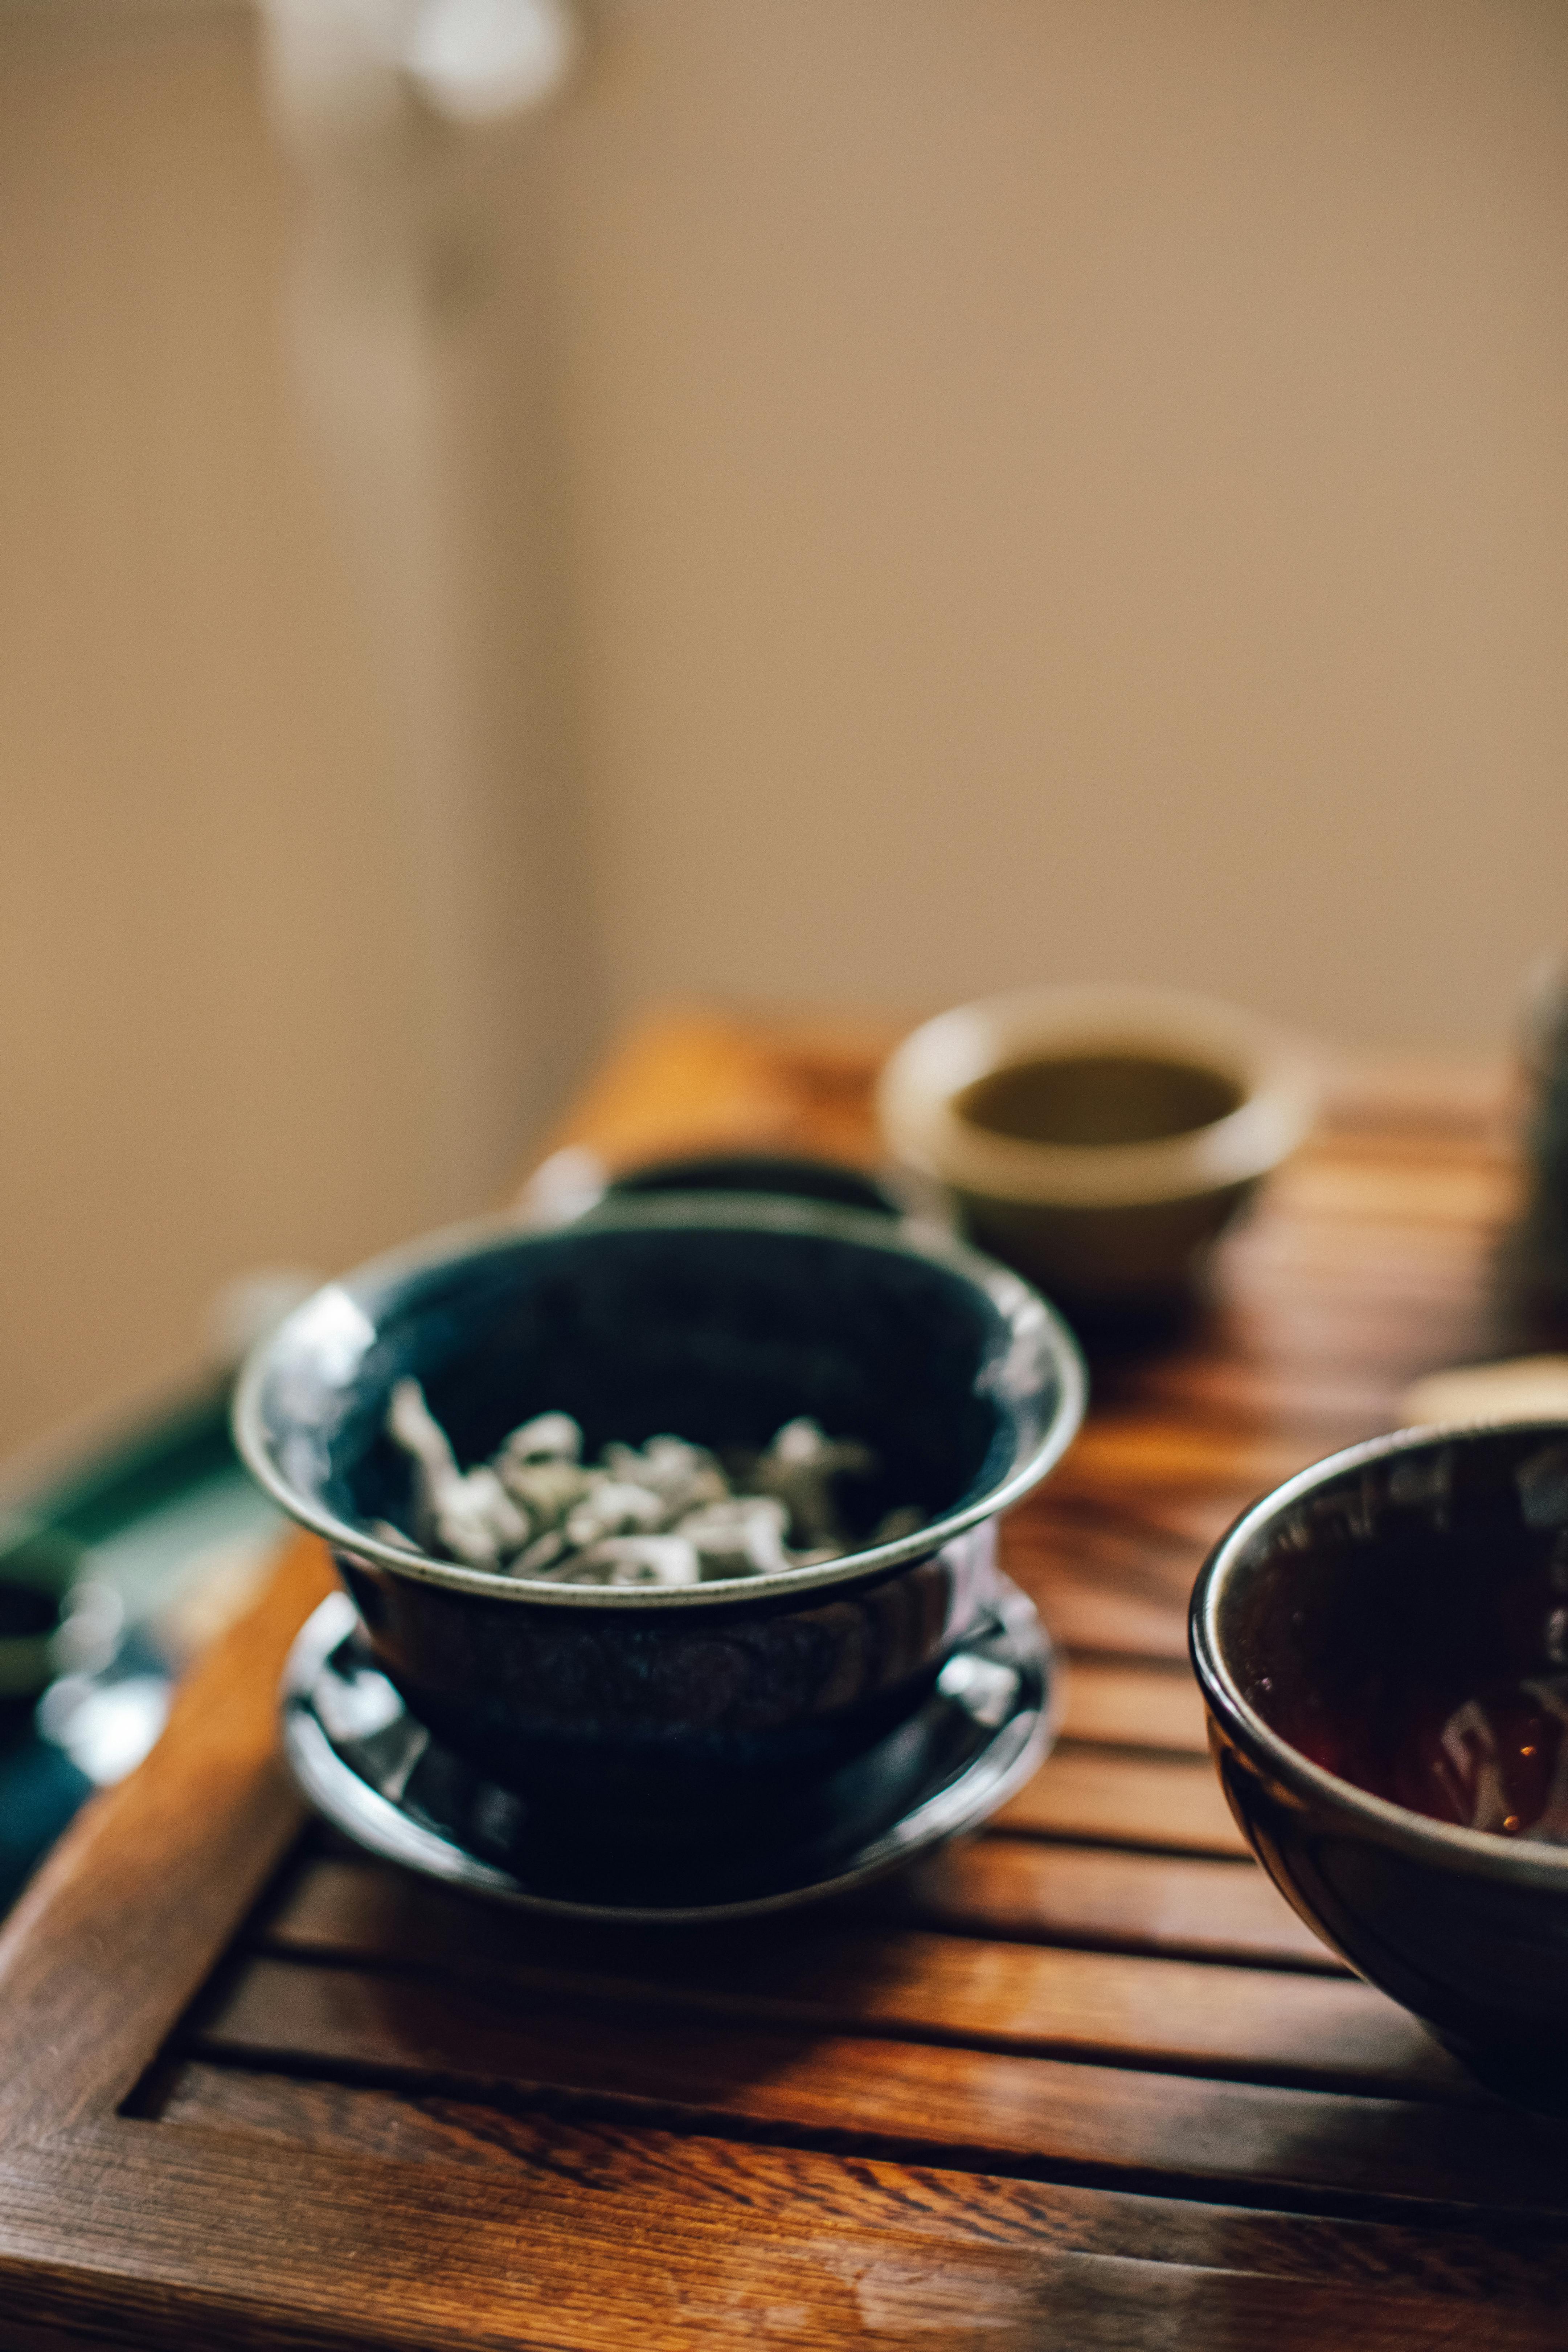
(799, 1424)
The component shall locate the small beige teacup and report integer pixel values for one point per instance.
(1097, 1138)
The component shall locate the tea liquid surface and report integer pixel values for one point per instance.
(1496, 1761)
(1098, 1098)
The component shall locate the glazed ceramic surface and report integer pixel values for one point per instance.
(1429, 1565)
(792, 1178)
(374, 1770)
(1098, 1223)
(717, 1318)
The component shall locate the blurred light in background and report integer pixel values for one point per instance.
(480, 60)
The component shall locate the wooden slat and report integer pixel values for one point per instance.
(1018, 1887)
(1026, 1889)
(1431, 1187)
(119, 1926)
(1170, 1804)
(1114, 1573)
(344, 2273)
(558, 2158)
(1302, 2027)
(1129, 1704)
(905, 2098)
(686, 1083)
(1242, 1388)
(1084, 1613)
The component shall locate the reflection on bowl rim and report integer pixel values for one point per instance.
(1432, 1841)
(923, 1079)
(349, 1301)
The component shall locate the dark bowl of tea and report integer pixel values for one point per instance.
(1382, 1649)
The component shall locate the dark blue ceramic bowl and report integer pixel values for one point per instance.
(718, 1319)
(1339, 1631)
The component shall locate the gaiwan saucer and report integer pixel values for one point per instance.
(377, 1775)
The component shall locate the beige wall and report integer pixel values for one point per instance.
(1075, 488)
(1009, 488)
(209, 1036)
(294, 958)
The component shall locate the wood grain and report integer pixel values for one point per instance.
(983, 2108)
(1023, 1890)
(835, 1977)
(1131, 1704)
(1106, 1900)
(1084, 2082)
(118, 1929)
(354, 2268)
(1477, 2257)
(1168, 1804)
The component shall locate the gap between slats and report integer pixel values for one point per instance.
(1108, 2010)
(910, 2101)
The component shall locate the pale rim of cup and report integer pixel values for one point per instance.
(919, 1089)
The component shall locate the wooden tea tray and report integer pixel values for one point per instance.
(1084, 2083)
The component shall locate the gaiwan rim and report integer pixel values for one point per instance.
(1518, 1860)
(352, 1300)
